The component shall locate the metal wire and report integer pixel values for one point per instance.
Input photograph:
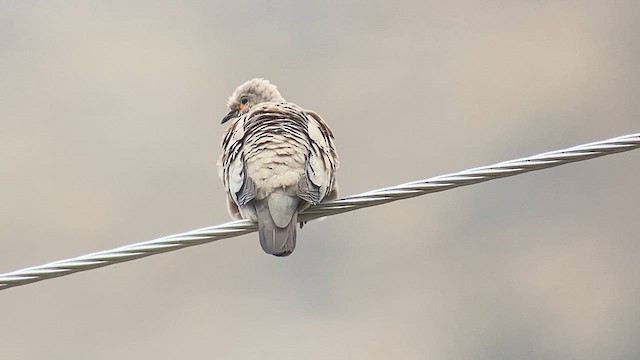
(349, 203)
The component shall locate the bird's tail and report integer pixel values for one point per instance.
(277, 236)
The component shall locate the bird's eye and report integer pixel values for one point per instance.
(244, 100)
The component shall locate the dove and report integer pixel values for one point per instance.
(277, 160)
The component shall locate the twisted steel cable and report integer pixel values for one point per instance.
(349, 203)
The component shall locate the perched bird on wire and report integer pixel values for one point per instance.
(277, 159)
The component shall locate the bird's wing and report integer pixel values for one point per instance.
(232, 167)
(321, 161)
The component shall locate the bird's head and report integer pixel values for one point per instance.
(249, 94)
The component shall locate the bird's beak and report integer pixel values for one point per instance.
(230, 115)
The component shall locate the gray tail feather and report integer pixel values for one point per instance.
(276, 240)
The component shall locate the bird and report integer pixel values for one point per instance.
(277, 159)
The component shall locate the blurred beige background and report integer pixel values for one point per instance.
(109, 133)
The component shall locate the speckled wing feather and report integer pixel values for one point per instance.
(322, 162)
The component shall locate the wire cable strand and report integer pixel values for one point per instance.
(349, 203)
